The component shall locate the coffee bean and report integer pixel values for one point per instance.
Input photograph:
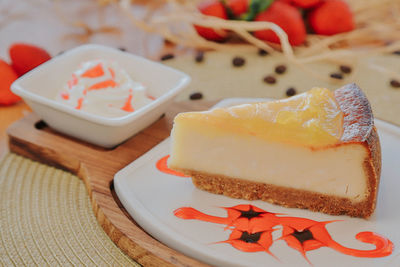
(167, 56)
(40, 125)
(280, 69)
(395, 83)
(238, 61)
(168, 42)
(269, 79)
(199, 57)
(345, 69)
(196, 96)
(123, 49)
(291, 91)
(262, 52)
(337, 76)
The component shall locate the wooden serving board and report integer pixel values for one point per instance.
(96, 166)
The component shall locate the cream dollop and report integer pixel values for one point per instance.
(103, 88)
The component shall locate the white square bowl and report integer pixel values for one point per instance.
(40, 86)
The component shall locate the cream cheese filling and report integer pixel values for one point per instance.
(336, 171)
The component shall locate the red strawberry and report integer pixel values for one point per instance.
(305, 3)
(25, 57)
(331, 17)
(285, 16)
(238, 7)
(7, 77)
(216, 9)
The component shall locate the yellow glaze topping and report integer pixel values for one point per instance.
(311, 119)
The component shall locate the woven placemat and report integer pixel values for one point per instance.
(46, 219)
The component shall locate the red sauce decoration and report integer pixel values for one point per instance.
(94, 72)
(80, 101)
(65, 95)
(188, 213)
(103, 84)
(128, 104)
(252, 230)
(162, 167)
(251, 242)
(150, 97)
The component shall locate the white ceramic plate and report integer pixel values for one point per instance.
(151, 196)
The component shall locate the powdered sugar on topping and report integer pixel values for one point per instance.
(358, 119)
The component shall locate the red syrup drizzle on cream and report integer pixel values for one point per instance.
(94, 72)
(252, 230)
(128, 103)
(162, 167)
(65, 95)
(79, 105)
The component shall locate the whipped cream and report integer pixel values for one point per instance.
(103, 88)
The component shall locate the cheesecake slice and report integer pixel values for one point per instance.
(318, 150)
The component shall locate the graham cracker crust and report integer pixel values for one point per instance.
(287, 197)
